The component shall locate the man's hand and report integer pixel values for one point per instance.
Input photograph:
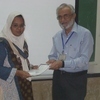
(50, 61)
(56, 65)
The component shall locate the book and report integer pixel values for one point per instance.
(42, 68)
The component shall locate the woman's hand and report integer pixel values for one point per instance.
(34, 66)
(22, 74)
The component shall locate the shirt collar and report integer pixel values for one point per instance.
(74, 29)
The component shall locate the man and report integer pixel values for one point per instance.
(69, 56)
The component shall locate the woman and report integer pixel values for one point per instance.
(14, 64)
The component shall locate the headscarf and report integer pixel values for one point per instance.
(17, 40)
(6, 32)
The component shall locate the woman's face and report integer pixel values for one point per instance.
(17, 26)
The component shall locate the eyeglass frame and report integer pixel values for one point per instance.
(65, 16)
(18, 26)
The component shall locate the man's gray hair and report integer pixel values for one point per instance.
(65, 5)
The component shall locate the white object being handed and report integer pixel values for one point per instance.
(42, 68)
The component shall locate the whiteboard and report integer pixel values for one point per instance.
(41, 24)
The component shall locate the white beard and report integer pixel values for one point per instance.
(68, 26)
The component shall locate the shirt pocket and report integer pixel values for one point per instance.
(73, 51)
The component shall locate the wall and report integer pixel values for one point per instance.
(41, 24)
(87, 17)
(42, 90)
(95, 66)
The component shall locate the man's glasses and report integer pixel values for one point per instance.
(66, 16)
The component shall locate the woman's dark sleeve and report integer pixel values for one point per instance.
(4, 70)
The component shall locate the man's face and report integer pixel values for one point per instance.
(65, 18)
(17, 26)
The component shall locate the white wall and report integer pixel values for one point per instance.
(41, 24)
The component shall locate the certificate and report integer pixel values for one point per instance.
(42, 68)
